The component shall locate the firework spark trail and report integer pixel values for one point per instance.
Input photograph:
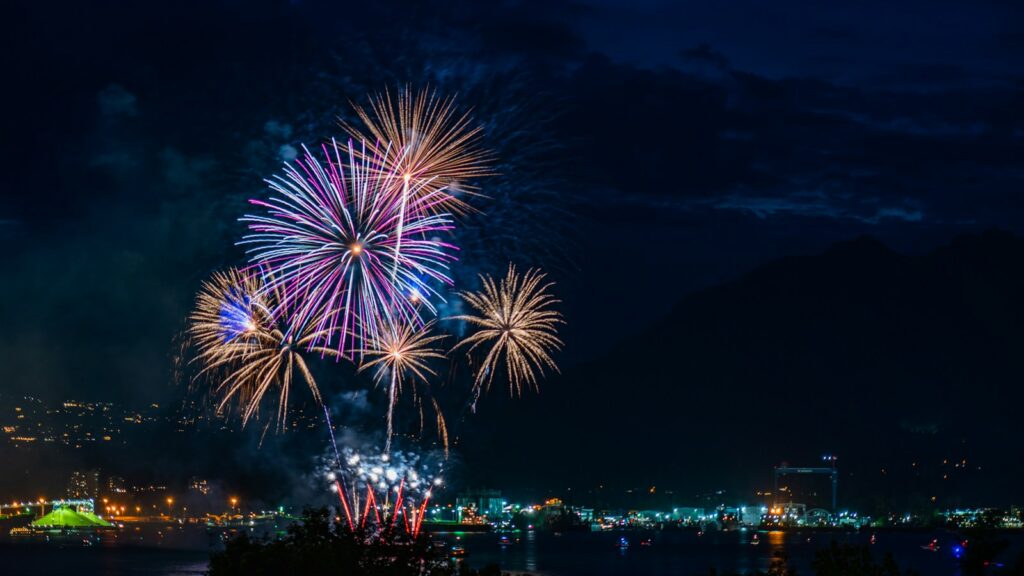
(337, 460)
(392, 398)
(349, 251)
(244, 348)
(330, 429)
(514, 317)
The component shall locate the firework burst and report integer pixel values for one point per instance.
(348, 258)
(350, 252)
(424, 140)
(401, 353)
(242, 346)
(515, 319)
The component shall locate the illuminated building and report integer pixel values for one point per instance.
(486, 503)
(198, 485)
(83, 484)
(116, 485)
(688, 514)
(751, 515)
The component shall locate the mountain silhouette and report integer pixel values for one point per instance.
(893, 362)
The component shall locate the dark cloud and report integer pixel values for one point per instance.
(795, 146)
(114, 101)
(851, 44)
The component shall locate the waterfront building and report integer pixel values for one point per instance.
(83, 484)
(481, 502)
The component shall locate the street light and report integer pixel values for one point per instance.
(170, 501)
(234, 502)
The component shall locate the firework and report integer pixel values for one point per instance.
(350, 252)
(423, 139)
(241, 344)
(402, 352)
(515, 319)
(376, 489)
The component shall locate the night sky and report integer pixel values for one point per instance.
(652, 155)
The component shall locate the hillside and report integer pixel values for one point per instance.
(920, 356)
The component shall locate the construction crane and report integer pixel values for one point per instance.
(830, 471)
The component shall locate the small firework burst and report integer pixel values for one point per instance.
(515, 321)
(400, 353)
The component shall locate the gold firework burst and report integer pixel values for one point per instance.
(401, 353)
(514, 317)
(242, 347)
(432, 149)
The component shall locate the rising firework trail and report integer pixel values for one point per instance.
(350, 252)
(244, 348)
(516, 324)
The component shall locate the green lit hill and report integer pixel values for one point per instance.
(68, 518)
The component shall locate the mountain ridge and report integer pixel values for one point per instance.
(783, 362)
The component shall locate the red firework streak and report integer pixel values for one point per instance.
(418, 520)
(373, 498)
(398, 503)
(366, 510)
(344, 504)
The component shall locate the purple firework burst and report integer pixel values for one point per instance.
(351, 246)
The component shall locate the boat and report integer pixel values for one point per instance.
(504, 540)
(623, 542)
(457, 552)
(932, 546)
(755, 540)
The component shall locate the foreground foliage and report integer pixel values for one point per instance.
(316, 547)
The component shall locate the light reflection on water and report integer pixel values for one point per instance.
(546, 554)
(531, 551)
(194, 569)
(688, 553)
